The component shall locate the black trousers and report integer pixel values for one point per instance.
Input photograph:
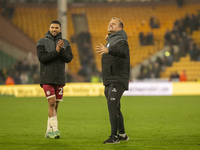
(113, 94)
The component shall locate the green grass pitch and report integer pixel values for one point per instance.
(152, 123)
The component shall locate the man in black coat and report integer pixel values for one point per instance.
(53, 52)
(115, 72)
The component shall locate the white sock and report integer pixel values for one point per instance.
(54, 123)
(49, 128)
(123, 135)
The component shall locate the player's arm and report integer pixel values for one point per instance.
(44, 56)
(66, 53)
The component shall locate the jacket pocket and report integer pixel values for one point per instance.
(106, 69)
(117, 66)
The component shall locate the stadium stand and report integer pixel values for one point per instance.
(6, 60)
(191, 68)
(195, 36)
(33, 20)
(136, 21)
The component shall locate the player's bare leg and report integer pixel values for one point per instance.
(52, 128)
(52, 106)
(56, 133)
(57, 102)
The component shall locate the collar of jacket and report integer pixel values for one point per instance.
(121, 33)
(114, 38)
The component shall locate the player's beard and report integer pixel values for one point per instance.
(54, 33)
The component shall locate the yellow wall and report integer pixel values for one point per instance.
(186, 88)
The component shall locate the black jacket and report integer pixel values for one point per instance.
(116, 64)
(52, 63)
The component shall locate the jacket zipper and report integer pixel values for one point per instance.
(55, 69)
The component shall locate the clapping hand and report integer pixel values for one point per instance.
(60, 45)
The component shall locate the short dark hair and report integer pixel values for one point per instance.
(55, 22)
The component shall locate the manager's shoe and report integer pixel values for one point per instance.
(123, 137)
(113, 139)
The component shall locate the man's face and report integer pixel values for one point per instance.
(54, 29)
(113, 26)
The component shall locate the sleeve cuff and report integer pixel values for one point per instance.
(109, 50)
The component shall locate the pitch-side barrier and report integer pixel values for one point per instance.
(97, 89)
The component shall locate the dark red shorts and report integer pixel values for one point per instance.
(53, 91)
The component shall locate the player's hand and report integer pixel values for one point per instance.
(106, 38)
(60, 45)
(101, 50)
